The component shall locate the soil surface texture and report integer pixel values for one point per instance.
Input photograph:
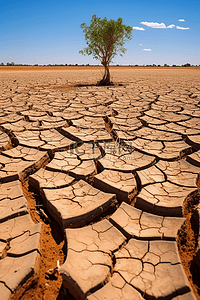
(99, 185)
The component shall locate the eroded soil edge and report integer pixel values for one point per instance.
(52, 249)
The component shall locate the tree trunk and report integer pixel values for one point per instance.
(106, 77)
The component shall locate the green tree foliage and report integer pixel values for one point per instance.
(104, 40)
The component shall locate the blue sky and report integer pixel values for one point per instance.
(48, 32)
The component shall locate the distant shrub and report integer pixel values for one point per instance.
(186, 65)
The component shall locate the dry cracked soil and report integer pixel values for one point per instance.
(99, 186)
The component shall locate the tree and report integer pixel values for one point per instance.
(186, 65)
(104, 40)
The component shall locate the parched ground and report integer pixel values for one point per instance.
(99, 186)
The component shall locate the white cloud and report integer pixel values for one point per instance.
(171, 26)
(140, 44)
(154, 24)
(157, 25)
(146, 49)
(138, 28)
(182, 28)
(160, 25)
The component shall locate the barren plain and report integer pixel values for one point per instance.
(99, 194)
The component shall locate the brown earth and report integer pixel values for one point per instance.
(46, 286)
(68, 68)
(187, 243)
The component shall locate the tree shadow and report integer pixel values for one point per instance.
(97, 84)
(85, 84)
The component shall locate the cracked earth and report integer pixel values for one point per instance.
(99, 186)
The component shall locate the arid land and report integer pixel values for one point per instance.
(69, 68)
(99, 193)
